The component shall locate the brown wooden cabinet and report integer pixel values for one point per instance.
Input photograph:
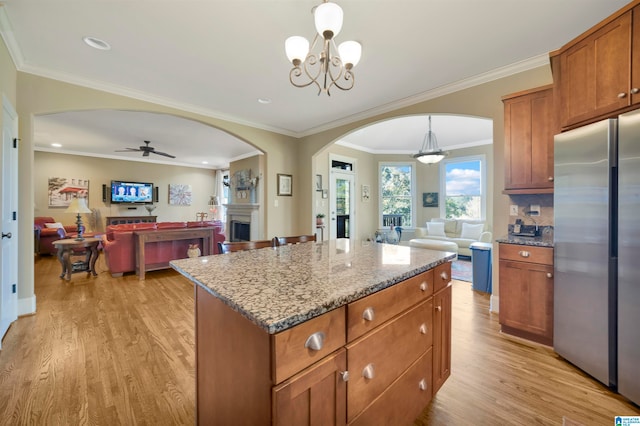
(529, 127)
(598, 73)
(441, 337)
(371, 363)
(526, 292)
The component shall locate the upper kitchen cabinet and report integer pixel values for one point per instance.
(597, 75)
(529, 127)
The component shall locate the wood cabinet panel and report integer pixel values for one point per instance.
(526, 293)
(529, 126)
(442, 276)
(387, 303)
(531, 254)
(317, 395)
(291, 352)
(404, 400)
(386, 352)
(441, 337)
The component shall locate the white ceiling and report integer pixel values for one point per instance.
(218, 57)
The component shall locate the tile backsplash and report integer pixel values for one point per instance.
(524, 203)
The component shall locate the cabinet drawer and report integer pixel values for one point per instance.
(378, 359)
(369, 312)
(403, 401)
(299, 347)
(531, 254)
(442, 276)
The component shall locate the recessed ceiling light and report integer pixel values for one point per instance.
(264, 101)
(56, 145)
(96, 43)
(205, 162)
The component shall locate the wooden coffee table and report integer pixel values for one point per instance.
(69, 248)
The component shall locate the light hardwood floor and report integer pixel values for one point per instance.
(120, 351)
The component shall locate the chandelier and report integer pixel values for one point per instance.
(430, 153)
(325, 69)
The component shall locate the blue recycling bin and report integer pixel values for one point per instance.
(481, 265)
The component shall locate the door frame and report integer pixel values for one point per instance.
(352, 176)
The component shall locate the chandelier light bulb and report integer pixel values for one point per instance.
(296, 48)
(350, 53)
(328, 19)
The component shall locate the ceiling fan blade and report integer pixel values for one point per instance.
(145, 154)
(127, 150)
(164, 153)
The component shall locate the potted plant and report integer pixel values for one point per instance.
(320, 219)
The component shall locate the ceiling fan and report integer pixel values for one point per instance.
(146, 149)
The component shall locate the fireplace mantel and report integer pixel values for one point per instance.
(246, 212)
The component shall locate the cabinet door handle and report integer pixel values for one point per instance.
(422, 385)
(368, 372)
(444, 276)
(344, 375)
(622, 95)
(423, 329)
(315, 341)
(424, 286)
(438, 308)
(368, 314)
(635, 91)
(549, 275)
(524, 253)
(550, 178)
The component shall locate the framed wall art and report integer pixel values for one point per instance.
(179, 195)
(62, 190)
(429, 199)
(285, 184)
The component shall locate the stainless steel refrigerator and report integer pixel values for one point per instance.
(597, 251)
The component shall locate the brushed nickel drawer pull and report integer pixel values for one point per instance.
(368, 372)
(622, 95)
(424, 286)
(438, 308)
(549, 275)
(524, 253)
(345, 376)
(635, 91)
(422, 385)
(550, 178)
(315, 341)
(368, 314)
(423, 329)
(444, 276)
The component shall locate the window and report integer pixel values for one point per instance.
(463, 185)
(397, 192)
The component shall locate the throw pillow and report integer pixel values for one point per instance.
(471, 231)
(56, 225)
(436, 229)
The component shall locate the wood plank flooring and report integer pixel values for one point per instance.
(119, 351)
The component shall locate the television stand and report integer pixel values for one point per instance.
(118, 220)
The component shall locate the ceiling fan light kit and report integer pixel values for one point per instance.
(430, 153)
(324, 69)
(146, 149)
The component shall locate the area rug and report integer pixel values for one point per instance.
(461, 270)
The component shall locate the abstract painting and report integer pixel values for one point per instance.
(179, 195)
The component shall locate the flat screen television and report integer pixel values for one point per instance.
(125, 192)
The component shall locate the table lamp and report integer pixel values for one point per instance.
(78, 205)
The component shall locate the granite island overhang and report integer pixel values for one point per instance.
(277, 288)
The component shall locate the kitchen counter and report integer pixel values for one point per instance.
(526, 241)
(278, 288)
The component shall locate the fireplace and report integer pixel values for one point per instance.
(240, 231)
(243, 222)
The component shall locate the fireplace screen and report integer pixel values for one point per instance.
(240, 231)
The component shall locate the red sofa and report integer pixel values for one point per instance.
(118, 244)
(49, 235)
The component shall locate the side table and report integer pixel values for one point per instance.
(69, 247)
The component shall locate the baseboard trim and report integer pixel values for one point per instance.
(27, 306)
(494, 304)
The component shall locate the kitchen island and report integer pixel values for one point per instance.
(347, 332)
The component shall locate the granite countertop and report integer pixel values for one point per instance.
(526, 241)
(278, 288)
